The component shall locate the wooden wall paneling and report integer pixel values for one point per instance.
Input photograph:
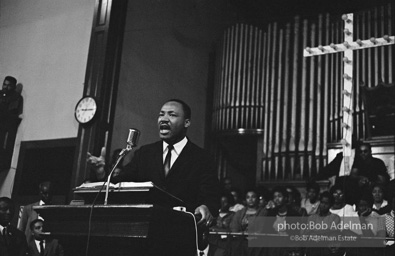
(101, 81)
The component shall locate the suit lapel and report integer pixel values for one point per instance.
(34, 246)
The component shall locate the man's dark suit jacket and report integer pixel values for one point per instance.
(52, 248)
(16, 246)
(192, 178)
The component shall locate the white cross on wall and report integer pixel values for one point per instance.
(347, 47)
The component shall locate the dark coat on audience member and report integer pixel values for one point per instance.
(52, 248)
(16, 246)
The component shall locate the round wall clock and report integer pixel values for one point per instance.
(85, 110)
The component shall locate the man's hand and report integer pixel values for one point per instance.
(207, 218)
(98, 163)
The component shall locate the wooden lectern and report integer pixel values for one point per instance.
(121, 229)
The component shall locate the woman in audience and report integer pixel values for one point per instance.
(323, 217)
(380, 206)
(247, 220)
(243, 218)
(311, 202)
(345, 211)
(367, 216)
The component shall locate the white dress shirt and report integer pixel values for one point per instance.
(176, 151)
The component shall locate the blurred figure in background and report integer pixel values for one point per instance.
(311, 202)
(41, 243)
(28, 214)
(12, 240)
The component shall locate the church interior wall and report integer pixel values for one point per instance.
(44, 44)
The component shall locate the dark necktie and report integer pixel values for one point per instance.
(42, 248)
(5, 235)
(166, 165)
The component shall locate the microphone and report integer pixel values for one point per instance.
(131, 142)
(133, 137)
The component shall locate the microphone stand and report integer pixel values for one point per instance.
(120, 156)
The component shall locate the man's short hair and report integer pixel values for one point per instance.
(185, 108)
(34, 223)
(11, 79)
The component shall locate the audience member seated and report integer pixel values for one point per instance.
(243, 218)
(324, 216)
(28, 214)
(12, 240)
(294, 200)
(345, 211)
(311, 202)
(220, 243)
(225, 215)
(281, 210)
(278, 215)
(237, 199)
(247, 220)
(41, 243)
(380, 205)
(370, 167)
(374, 222)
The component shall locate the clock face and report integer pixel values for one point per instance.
(85, 110)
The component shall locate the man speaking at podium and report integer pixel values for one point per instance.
(174, 164)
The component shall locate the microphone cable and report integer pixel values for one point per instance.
(120, 156)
